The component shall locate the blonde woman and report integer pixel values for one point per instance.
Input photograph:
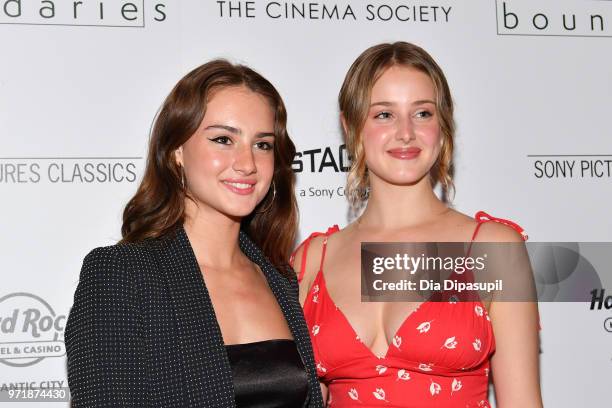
(397, 115)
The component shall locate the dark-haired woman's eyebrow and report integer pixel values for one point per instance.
(237, 131)
(230, 129)
(264, 134)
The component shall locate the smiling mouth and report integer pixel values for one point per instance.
(239, 188)
(405, 153)
(239, 185)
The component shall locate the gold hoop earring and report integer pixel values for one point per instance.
(271, 201)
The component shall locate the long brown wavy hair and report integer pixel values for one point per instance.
(354, 102)
(158, 207)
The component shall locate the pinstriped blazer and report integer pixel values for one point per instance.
(142, 331)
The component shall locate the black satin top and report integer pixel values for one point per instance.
(268, 374)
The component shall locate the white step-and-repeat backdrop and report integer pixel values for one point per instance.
(80, 83)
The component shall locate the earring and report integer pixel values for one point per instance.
(271, 201)
(183, 178)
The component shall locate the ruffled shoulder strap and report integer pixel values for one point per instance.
(306, 244)
(482, 217)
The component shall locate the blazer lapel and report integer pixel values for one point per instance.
(208, 375)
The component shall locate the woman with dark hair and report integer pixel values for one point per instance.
(196, 305)
(397, 115)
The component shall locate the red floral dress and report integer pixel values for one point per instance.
(439, 356)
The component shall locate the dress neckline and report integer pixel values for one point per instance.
(260, 342)
(395, 340)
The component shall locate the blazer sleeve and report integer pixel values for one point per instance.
(106, 362)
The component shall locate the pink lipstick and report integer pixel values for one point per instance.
(405, 153)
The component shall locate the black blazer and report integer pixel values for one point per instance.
(142, 331)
